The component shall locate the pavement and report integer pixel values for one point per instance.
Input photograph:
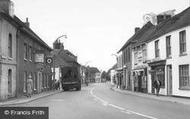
(174, 99)
(25, 99)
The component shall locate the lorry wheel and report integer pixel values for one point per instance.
(78, 88)
(65, 89)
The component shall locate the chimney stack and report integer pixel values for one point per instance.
(7, 7)
(27, 22)
(137, 29)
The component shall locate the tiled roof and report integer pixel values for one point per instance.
(150, 32)
(93, 70)
(146, 32)
(137, 35)
(22, 26)
(176, 22)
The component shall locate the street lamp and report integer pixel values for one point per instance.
(115, 56)
(54, 56)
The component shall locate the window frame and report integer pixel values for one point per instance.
(168, 46)
(25, 51)
(10, 45)
(157, 50)
(183, 76)
(30, 53)
(182, 42)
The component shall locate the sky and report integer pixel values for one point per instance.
(95, 29)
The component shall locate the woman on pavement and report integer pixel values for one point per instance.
(29, 86)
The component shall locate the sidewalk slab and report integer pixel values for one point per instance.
(27, 99)
(181, 100)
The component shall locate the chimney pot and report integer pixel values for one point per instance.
(137, 29)
(27, 22)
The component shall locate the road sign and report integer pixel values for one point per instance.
(49, 60)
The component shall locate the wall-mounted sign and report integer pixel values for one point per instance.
(39, 57)
(49, 60)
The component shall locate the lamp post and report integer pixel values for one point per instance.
(115, 56)
(54, 56)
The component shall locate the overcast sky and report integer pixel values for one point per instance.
(95, 28)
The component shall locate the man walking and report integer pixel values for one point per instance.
(157, 85)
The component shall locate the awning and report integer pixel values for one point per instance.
(157, 63)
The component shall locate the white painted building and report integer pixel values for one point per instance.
(7, 52)
(168, 54)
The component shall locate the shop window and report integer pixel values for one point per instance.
(182, 41)
(184, 82)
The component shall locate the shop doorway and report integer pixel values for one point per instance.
(10, 82)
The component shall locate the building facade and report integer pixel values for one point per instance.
(8, 57)
(32, 53)
(168, 56)
(22, 54)
(139, 58)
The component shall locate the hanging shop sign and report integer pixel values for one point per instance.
(39, 57)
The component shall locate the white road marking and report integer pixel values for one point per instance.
(105, 103)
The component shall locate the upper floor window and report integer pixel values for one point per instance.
(30, 53)
(182, 42)
(144, 53)
(135, 57)
(128, 54)
(10, 54)
(157, 50)
(184, 82)
(25, 51)
(168, 46)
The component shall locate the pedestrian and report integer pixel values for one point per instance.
(157, 85)
(29, 86)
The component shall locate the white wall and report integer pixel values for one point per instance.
(7, 62)
(175, 61)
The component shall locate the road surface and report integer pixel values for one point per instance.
(97, 101)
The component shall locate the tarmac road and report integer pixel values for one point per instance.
(97, 101)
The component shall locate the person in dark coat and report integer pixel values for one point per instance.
(157, 85)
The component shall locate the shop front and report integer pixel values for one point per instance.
(119, 79)
(158, 72)
(140, 80)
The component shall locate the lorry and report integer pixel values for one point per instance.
(70, 78)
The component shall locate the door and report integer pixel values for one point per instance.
(39, 82)
(169, 79)
(10, 82)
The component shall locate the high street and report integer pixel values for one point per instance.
(98, 101)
